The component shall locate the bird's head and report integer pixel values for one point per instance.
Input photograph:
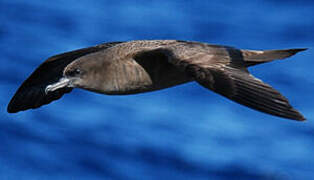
(77, 74)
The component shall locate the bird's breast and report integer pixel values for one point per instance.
(136, 76)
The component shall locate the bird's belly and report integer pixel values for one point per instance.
(148, 77)
(134, 87)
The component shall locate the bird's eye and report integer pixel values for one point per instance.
(73, 72)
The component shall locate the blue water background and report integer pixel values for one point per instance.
(184, 132)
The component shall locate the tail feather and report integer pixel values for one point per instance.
(252, 57)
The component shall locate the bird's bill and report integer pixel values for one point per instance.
(63, 82)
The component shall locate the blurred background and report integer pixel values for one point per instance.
(185, 132)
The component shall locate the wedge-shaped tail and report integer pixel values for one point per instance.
(252, 57)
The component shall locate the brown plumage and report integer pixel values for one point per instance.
(141, 66)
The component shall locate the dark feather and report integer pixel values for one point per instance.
(245, 89)
(252, 58)
(31, 94)
(223, 70)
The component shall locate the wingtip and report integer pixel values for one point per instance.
(13, 107)
(301, 118)
(10, 107)
(297, 116)
(10, 110)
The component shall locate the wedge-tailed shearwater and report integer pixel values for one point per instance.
(120, 68)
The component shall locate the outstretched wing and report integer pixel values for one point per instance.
(222, 70)
(31, 94)
(245, 89)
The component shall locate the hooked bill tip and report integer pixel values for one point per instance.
(63, 82)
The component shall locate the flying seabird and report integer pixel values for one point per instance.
(120, 68)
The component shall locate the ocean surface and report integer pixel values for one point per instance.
(184, 132)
